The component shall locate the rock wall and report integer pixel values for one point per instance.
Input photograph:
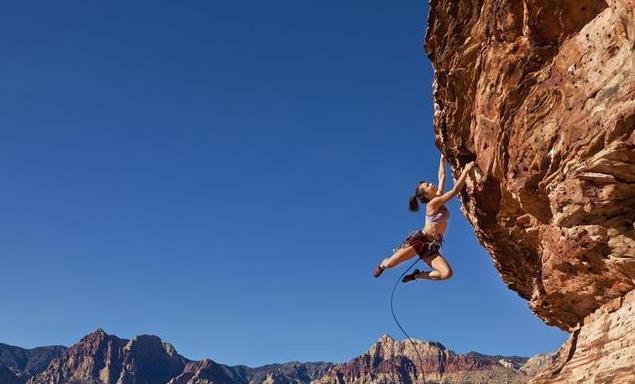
(541, 94)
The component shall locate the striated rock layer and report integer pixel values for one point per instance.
(541, 94)
(601, 351)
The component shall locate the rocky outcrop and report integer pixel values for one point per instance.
(391, 361)
(602, 350)
(17, 364)
(541, 95)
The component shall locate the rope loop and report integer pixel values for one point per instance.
(392, 310)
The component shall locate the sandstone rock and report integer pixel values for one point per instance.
(601, 351)
(541, 94)
(547, 110)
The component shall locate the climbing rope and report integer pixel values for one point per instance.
(392, 309)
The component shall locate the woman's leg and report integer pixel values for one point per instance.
(441, 270)
(402, 254)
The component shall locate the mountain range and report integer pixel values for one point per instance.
(100, 358)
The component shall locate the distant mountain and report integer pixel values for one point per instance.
(17, 364)
(209, 372)
(538, 364)
(100, 358)
(391, 361)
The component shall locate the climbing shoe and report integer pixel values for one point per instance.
(411, 276)
(378, 270)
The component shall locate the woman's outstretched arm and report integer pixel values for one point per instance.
(441, 186)
(456, 189)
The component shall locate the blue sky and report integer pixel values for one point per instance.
(226, 175)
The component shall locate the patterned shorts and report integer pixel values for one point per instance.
(424, 244)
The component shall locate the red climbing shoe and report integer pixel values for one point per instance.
(411, 276)
(378, 270)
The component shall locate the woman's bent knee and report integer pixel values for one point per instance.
(446, 274)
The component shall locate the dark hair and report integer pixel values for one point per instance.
(413, 202)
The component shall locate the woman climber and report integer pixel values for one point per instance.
(427, 242)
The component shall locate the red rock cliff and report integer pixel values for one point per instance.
(541, 94)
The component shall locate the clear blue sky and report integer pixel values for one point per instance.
(226, 175)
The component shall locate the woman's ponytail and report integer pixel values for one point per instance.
(413, 203)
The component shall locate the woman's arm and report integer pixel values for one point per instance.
(456, 189)
(441, 186)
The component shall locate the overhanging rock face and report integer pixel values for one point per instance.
(541, 94)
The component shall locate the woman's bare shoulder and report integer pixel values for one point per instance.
(433, 205)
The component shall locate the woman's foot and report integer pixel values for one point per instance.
(378, 270)
(411, 276)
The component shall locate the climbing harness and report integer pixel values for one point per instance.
(392, 310)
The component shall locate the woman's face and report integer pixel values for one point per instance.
(428, 190)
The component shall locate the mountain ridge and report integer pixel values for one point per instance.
(101, 358)
(18, 364)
